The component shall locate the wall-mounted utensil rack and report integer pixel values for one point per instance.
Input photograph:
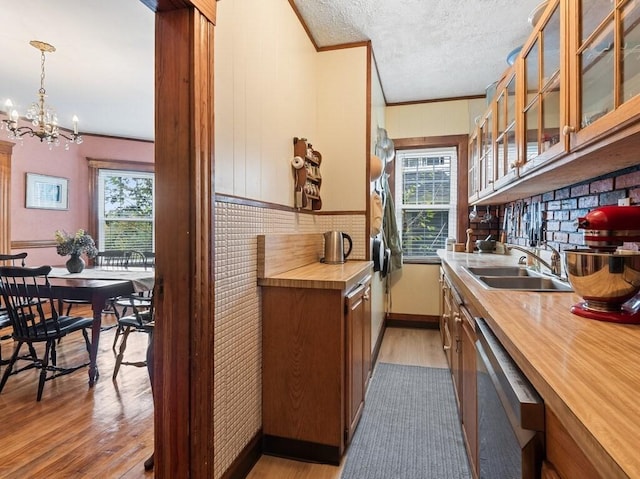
(306, 172)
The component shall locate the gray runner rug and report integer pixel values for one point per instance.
(409, 428)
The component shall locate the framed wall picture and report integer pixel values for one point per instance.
(47, 192)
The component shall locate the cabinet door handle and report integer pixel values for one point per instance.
(568, 129)
(365, 296)
(447, 335)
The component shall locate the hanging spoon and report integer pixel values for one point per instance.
(487, 216)
(474, 213)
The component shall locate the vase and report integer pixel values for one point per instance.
(75, 264)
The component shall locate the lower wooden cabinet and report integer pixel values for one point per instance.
(459, 338)
(450, 325)
(358, 359)
(469, 388)
(564, 458)
(316, 365)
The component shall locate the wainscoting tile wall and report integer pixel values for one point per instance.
(238, 329)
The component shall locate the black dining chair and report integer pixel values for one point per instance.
(141, 319)
(149, 259)
(9, 260)
(34, 317)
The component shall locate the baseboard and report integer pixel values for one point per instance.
(300, 450)
(400, 320)
(247, 458)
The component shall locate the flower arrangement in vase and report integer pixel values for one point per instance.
(75, 245)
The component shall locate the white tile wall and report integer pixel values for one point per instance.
(238, 329)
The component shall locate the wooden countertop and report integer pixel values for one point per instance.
(587, 371)
(320, 276)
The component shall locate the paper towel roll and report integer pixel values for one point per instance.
(297, 162)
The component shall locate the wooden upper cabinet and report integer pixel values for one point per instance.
(576, 90)
(605, 61)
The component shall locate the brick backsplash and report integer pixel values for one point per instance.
(562, 207)
(238, 315)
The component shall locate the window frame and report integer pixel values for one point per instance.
(439, 165)
(95, 165)
(461, 144)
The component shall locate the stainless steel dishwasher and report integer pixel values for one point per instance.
(510, 414)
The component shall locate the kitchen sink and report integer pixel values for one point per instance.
(517, 278)
(527, 283)
(498, 271)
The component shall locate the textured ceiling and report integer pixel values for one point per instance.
(103, 67)
(426, 49)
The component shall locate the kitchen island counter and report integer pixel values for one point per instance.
(587, 371)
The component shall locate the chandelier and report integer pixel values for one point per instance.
(42, 116)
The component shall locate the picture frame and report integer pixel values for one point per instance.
(47, 192)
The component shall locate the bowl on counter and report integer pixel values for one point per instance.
(604, 280)
(486, 246)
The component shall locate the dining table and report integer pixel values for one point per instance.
(96, 286)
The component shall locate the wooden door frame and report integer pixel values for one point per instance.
(184, 159)
(6, 149)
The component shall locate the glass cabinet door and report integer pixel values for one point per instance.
(486, 154)
(543, 99)
(531, 61)
(596, 56)
(630, 55)
(608, 57)
(474, 158)
(505, 143)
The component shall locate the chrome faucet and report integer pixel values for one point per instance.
(554, 267)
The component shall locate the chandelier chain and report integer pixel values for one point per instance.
(42, 90)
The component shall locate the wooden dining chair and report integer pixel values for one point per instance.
(34, 317)
(9, 260)
(141, 319)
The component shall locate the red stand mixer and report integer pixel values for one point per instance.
(606, 278)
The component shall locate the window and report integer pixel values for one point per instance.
(125, 210)
(425, 199)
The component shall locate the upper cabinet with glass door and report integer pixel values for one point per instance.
(543, 111)
(474, 166)
(506, 150)
(486, 164)
(605, 57)
(577, 99)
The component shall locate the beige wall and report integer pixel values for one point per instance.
(433, 119)
(415, 289)
(272, 85)
(341, 111)
(266, 89)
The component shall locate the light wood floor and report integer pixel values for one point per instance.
(417, 347)
(107, 431)
(76, 431)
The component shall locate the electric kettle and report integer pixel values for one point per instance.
(334, 247)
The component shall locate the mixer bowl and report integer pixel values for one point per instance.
(604, 280)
